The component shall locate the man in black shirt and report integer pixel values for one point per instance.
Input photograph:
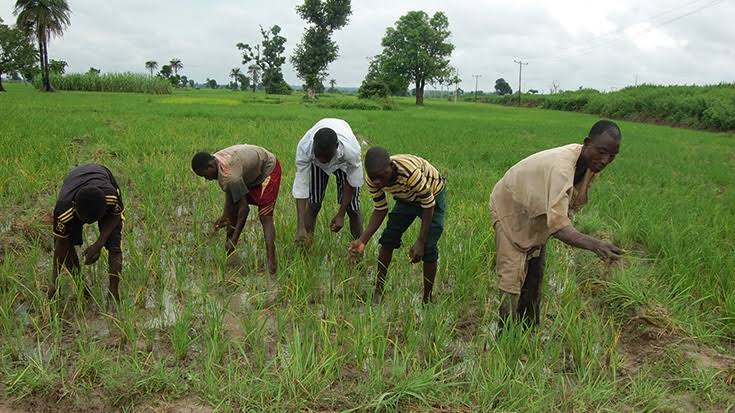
(89, 194)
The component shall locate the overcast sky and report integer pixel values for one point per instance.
(604, 45)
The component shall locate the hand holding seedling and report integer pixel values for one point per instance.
(416, 252)
(607, 251)
(356, 247)
(92, 253)
(337, 222)
(221, 223)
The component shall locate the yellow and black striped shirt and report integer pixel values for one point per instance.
(416, 181)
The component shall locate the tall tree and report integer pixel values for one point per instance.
(151, 65)
(244, 82)
(17, 54)
(418, 48)
(269, 57)
(317, 49)
(235, 74)
(332, 85)
(43, 19)
(176, 65)
(254, 72)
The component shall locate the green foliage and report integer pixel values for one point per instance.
(268, 56)
(373, 89)
(17, 54)
(381, 74)
(57, 67)
(703, 107)
(418, 48)
(502, 87)
(376, 103)
(109, 82)
(317, 50)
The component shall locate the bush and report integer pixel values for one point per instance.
(280, 88)
(108, 82)
(358, 104)
(704, 107)
(373, 89)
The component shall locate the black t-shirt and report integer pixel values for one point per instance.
(94, 175)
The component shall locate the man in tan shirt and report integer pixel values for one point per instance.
(535, 200)
(248, 174)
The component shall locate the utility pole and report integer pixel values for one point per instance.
(476, 78)
(520, 70)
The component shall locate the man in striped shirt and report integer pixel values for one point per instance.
(89, 194)
(419, 191)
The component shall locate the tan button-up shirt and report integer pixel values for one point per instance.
(537, 196)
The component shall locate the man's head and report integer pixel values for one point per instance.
(325, 144)
(204, 165)
(379, 167)
(89, 204)
(601, 145)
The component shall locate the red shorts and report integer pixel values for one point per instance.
(266, 194)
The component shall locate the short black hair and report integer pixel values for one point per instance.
(325, 139)
(602, 127)
(200, 161)
(376, 159)
(89, 202)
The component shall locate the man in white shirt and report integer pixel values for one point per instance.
(329, 147)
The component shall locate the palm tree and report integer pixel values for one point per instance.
(332, 85)
(42, 19)
(176, 65)
(151, 65)
(235, 74)
(254, 72)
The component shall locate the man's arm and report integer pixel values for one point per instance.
(376, 219)
(226, 213)
(338, 221)
(417, 251)
(300, 191)
(243, 209)
(109, 223)
(605, 250)
(61, 249)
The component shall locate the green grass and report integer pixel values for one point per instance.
(109, 82)
(194, 328)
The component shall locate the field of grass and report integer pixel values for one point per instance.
(195, 331)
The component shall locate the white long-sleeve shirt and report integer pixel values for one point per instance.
(347, 157)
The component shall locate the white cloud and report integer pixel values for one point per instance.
(575, 42)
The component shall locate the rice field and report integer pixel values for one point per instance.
(198, 332)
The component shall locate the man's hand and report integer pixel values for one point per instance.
(92, 253)
(354, 251)
(337, 222)
(416, 252)
(356, 247)
(221, 223)
(607, 251)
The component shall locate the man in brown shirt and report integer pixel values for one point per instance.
(248, 174)
(535, 200)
